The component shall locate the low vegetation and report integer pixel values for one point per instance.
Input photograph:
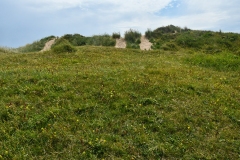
(107, 103)
(75, 39)
(173, 38)
(116, 35)
(133, 39)
(63, 46)
(101, 40)
(35, 46)
(96, 40)
(167, 38)
(7, 50)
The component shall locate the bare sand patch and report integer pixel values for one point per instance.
(120, 43)
(48, 45)
(145, 44)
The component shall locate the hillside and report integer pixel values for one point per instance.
(35, 46)
(168, 38)
(92, 102)
(173, 38)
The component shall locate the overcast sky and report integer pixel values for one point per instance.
(25, 21)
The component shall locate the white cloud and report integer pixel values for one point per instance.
(135, 13)
(206, 5)
(214, 14)
(116, 5)
(39, 18)
(195, 14)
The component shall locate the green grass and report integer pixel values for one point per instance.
(220, 62)
(63, 46)
(7, 50)
(101, 40)
(35, 46)
(96, 40)
(172, 38)
(133, 39)
(106, 103)
(116, 35)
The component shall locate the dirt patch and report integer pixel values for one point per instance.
(48, 45)
(145, 44)
(120, 43)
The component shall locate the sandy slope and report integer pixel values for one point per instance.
(145, 44)
(120, 43)
(48, 45)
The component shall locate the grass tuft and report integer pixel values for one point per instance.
(63, 46)
(132, 38)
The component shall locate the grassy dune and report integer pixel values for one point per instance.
(107, 103)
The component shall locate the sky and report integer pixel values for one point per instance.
(25, 21)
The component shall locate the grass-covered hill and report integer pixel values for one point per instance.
(168, 38)
(174, 38)
(107, 103)
(73, 39)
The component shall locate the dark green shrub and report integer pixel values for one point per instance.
(132, 36)
(188, 40)
(167, 37)
(233, 37)
(157, 43)
(207, 34)
(138, 41)
(166, 32)
(63, 46)
(101, 40)
(168, 29)
(149, 34)
(60, 41)
(225, 43)
(116, 35)
(75, 39)
(169, 46)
